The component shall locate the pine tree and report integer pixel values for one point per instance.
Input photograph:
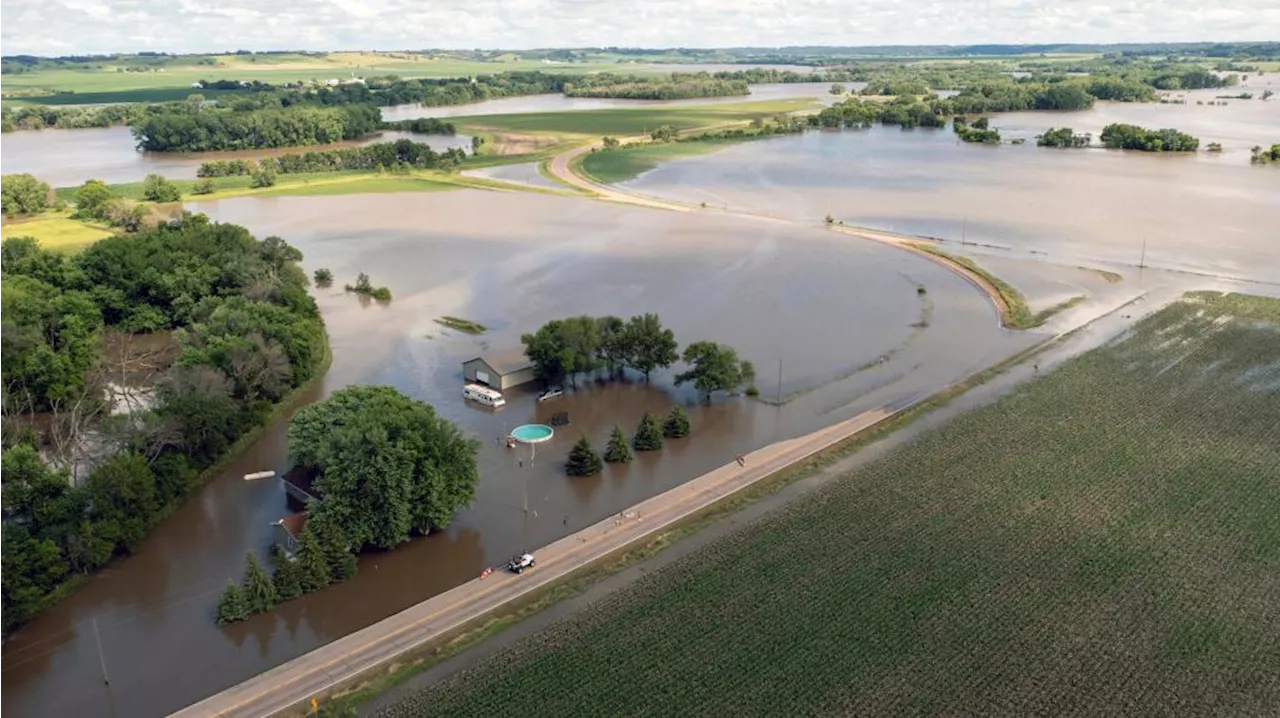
(232, 606)
(259, 592)
(677, 424)
(313, 568)
(583, 460)
(337, 552)
(287, 576)
(617, 452)
(648, 436)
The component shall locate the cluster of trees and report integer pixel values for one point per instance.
(1260, 156)
(432, 92)
(38, 117)
(854, 112)
(980, 131)
(1120, 136)
(422, 126)
(890, 86)
(323, 557)
(387, 466)
(193, 127)
(584, 461)
(96, 201)
(1063, 137)
(677, 86)
(363, 287)
(24, 194)
(246, 332)
(380, 155)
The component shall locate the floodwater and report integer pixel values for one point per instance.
(815, 309)
(69, 157)
(1207, 213)
(560, 103)
(526, 173)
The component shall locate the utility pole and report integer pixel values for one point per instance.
(779, 381)
(964, 231)
(1142, 263)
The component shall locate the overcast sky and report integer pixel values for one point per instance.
(58, 27)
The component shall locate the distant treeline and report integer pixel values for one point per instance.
(38, 117)
(1131, 137)
(190, 127)
(382, 155)
(422, 126)
(678, 86)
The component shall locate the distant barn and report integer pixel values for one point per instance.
(503, 370)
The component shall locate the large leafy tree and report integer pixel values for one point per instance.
(23, 194)
(649, 345)
(387, 464)
(714, 367)
(563, 348)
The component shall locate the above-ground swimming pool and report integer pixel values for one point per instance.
(532, 433)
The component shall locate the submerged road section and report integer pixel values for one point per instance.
(357, 654)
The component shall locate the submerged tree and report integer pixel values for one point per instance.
(648, 436)
(259, 592)
(287, 577)
(715, 367)
(313, 569)
(583, 459)
(649, 345)
(232, 606)
(677, 424)
(617, 452)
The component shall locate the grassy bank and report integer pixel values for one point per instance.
(57, 231)
(463, 325)
(1020, 315)
(622, 122)
(622, 165)
(313, 183)
(1103, 537)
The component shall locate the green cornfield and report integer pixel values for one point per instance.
(1103, 541)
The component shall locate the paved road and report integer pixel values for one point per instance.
(346, 658)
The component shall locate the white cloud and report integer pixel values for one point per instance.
(92, 26)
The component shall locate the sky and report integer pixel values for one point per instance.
(62, 27)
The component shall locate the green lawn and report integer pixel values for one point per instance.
(57, 231)
(629, 121)
(625, 164)
(307, 183)
(1103, 541)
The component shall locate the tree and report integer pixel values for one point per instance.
(259, 592)
(264, 177)
(615, 343)
(388, 465)
(122, 499)
(665, 133)
(562, 348)
(610, 143)
(125, 214)
(23, 194)
(232, 606)
(155, 188)
(677, 424)
(92, 199)
(313, 568)
(837, 89)
(617, 452)
(714, 367)
(286, 577)
(203, 186)
(648, 436)
(323, 277)
(583, 459)
(649, 345)
(336, 547)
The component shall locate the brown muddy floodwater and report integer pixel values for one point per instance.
(1204, 213)
(822, 306)
(69, 157)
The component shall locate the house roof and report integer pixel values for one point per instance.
(293, 523)
(507, 362)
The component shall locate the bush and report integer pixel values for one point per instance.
(92, 199)
(381, 294)
(583, 460)
(156, 188)
(232, 606)
(677, 424)
(324, 277)
(203, 186)
(617, 452)
(24, 194)
(265, 177)
(648, 436)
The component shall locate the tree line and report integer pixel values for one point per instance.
(197, 128)
(677, 86)
(564, 348)
(1063, 137)
(90, 464)
(1261, 156)
(422, 126)
(1121, 136)
(380, 155)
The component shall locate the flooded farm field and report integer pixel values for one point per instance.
(842, 319)
(1203, 213)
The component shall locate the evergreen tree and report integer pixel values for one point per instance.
(259, 592)
(312, 565)
(232, 606)
(287, 577)
(617, 452)
(337, 551)
(677, 424)
(583, 460)
(648, 436)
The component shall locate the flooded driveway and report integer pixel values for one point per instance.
(821, 307)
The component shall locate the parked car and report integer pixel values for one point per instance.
(552, 393)
(518, 564)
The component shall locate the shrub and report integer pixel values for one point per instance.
(265, 177)
(648, 436)
(24, 194)
(583, 460)
(324, 277)
(232, 606)
(156, 188)
(202, 186)
(617, 452)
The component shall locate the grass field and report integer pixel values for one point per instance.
(595, 123)
(57, 231)
(1104, 541)
(625, 164)
(314, 183)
